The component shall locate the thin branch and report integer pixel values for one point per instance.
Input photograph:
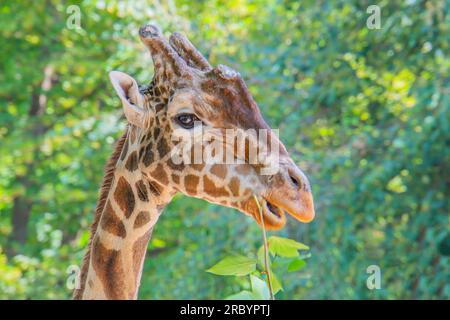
(266, 249)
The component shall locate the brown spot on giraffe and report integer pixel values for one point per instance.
(159, 107)
(234, 186)
(154, 189)
(141, 219)
(160, 174)
(124, 197)
(132, 162)
(108, 268)
(148, 155)
(111, 223)
(162, 148)
(211, 189)
(198, 166)
(139, 250)
(156, 132)
(167, 129)
(141, 190)
(175, 178)
(219, 170)
(191, 183)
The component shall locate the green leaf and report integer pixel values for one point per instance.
(296, 265)
(285, 247)
(234, 266)
(276, 283)
(260, 289)
(243, 295)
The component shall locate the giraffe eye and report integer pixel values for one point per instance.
(187, 120)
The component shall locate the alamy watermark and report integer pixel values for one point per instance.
(374, 279)
(73, 278)
(374, 19)
(73, 21)
(227, 146)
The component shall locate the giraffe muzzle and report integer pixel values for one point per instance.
(291, 193)
(301, 208)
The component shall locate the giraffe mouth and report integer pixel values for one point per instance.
(274, 217)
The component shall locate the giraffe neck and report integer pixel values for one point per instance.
(119, 237)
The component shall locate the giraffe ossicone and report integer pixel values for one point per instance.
(186, 95)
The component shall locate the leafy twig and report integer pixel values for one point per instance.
(266, 250)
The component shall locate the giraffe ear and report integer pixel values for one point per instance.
(132, 100)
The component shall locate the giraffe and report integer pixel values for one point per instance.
(141, 176)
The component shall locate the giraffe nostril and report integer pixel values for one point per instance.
(296, 178)
(295, 181)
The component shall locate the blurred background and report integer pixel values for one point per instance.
(364, 112)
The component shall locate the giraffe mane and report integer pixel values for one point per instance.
(104, 190)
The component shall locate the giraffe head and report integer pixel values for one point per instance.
(196, 129)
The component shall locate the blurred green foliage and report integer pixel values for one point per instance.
(282, 256)
(364, 112)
